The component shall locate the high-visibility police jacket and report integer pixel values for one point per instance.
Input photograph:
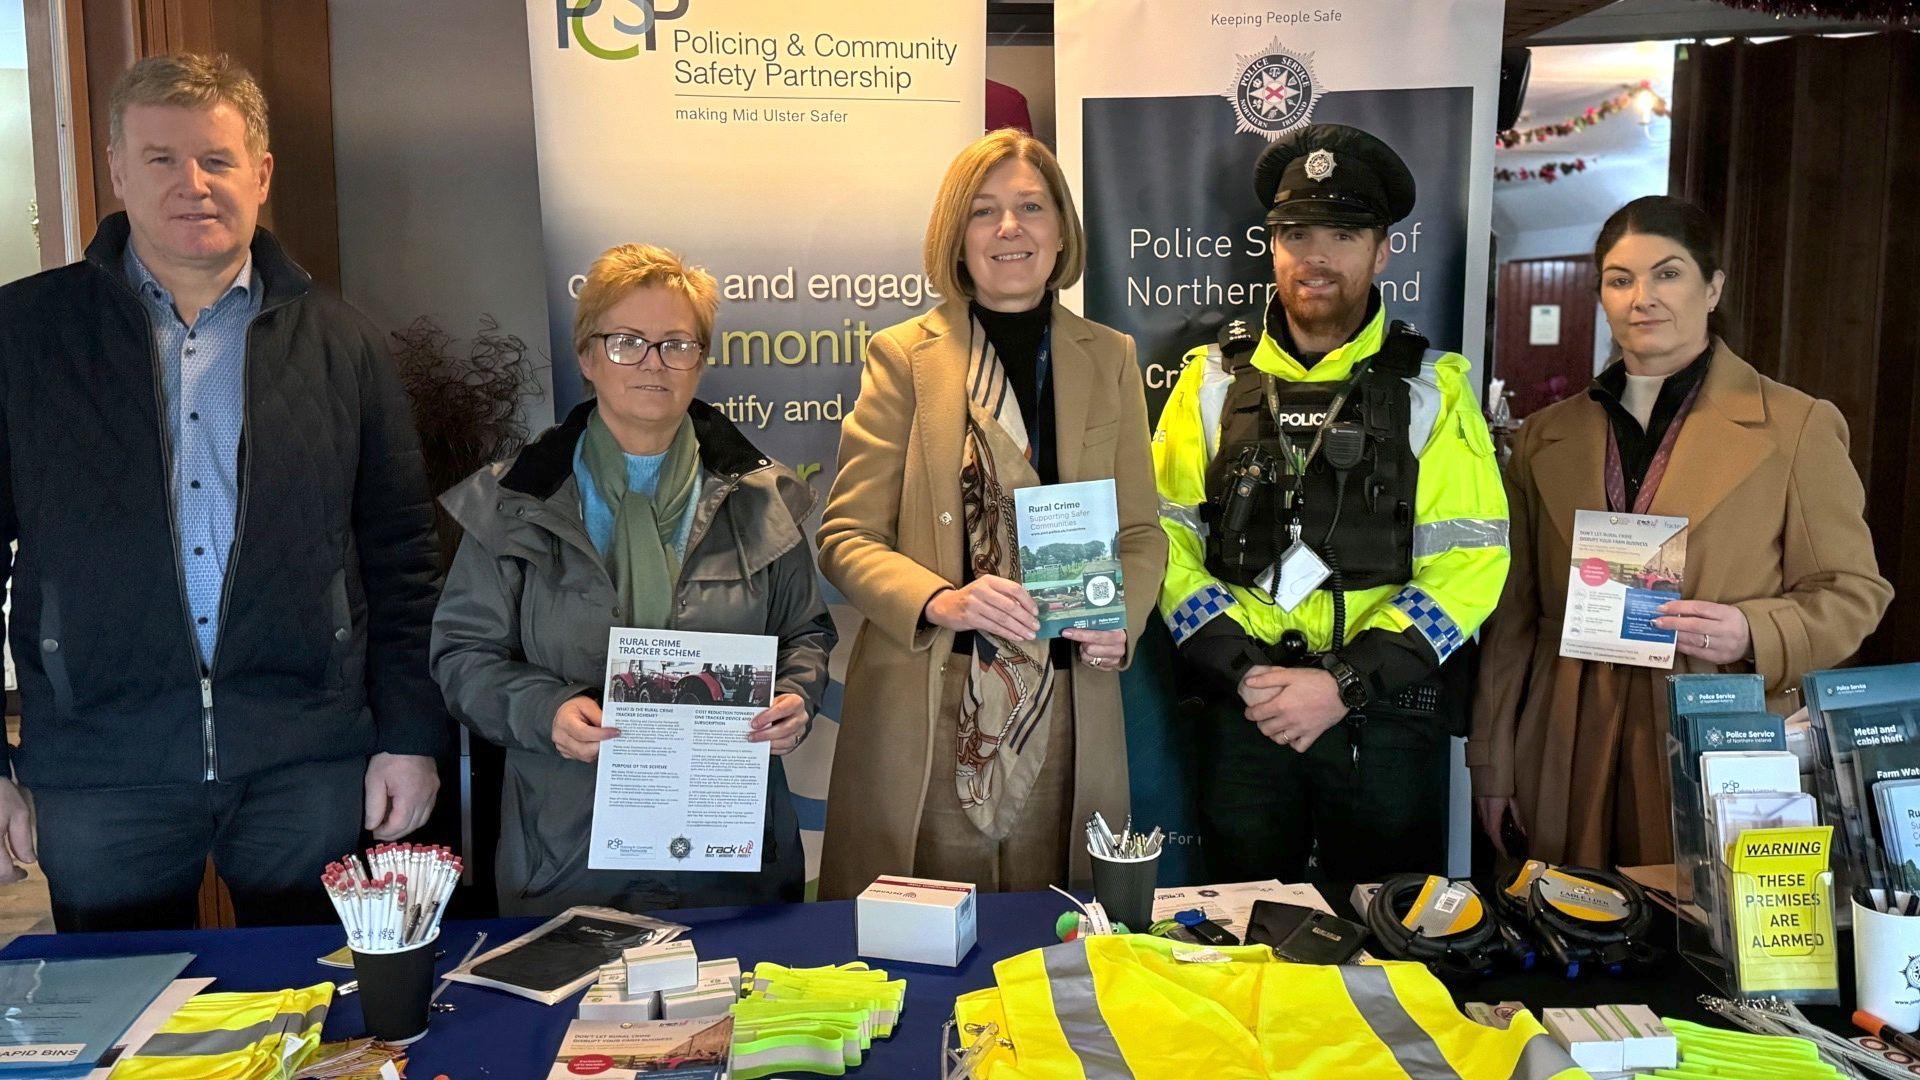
(1113, 1006)
(1397, 633)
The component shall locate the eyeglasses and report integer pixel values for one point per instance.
(628, 350)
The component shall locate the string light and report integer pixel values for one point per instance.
(1642, 98)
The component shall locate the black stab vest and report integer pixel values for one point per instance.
(1361, 523)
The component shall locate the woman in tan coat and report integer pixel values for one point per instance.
(968, 750)
(1780, 574)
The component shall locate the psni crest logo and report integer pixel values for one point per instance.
(1274, 91)
(578, 22)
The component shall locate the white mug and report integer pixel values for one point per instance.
(1886, 966)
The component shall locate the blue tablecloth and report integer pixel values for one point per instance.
(498, 1035)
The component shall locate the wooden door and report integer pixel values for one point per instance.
(1543, 330)
(284, 43)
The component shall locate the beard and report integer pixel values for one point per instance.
(1337, 312)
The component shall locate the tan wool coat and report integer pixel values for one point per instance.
(1776, 528)
(893, 534)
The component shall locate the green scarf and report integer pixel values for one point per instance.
(645, 563)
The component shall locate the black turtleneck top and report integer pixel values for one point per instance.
(1016, 337)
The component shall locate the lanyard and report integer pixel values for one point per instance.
(1656, 467)
(1042, 369)
(1298, 463)
(1043, 363)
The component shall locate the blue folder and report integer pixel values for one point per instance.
(49, 1007)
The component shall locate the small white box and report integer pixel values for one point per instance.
(673, 965)
(612, 974)
(713, 995)
(712, 971)
(609, 1003)
(1362, 898)
(1649, 1045)
(1588, 1036)
(918, 920)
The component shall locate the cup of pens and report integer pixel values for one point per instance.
(1126, 867)
(390, 904)
(1886, 941)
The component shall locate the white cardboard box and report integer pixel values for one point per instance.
(713, 995)
(672, 965)
(918, 920)
(1650, 1045)
(1592, 1039)
(609, 1003)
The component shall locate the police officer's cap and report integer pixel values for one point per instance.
(1332, 174)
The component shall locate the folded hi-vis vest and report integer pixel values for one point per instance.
(1132, 1006)
(246, 1036)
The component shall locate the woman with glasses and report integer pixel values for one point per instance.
(644, 508)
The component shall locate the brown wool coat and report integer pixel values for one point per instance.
(893, 534)
(1761, 472)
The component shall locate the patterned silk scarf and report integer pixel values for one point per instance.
(1656, 468)
(1008, 698)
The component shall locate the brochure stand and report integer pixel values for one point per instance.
(1753, 864)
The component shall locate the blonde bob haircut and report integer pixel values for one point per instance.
(623, 269)
(947, 228)
(190, 81)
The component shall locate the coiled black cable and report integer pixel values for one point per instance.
(1471, 952)
(1334, 579)
(1573, 943)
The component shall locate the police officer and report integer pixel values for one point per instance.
(1338, 532)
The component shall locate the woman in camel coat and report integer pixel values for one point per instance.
(1780, 572)
(920, 785)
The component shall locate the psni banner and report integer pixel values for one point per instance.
(1163, 109)
(790, 146)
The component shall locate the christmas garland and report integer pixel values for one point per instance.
(1619, 103)
(1548, 173)
(1887, 11)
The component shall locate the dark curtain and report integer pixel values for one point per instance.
(1806, 151)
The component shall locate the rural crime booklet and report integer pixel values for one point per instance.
(1069, 536)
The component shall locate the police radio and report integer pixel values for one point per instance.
(1251, 474)
(1242, 533)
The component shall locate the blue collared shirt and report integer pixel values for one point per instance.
(202, 378)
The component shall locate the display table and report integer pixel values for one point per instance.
(497, 1035)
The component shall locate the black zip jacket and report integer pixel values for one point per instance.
(330, 586)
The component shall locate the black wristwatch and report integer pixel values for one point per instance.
(1353, 688)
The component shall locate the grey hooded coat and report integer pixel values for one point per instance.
(522, 627)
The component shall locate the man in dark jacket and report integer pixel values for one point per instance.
(225, 566)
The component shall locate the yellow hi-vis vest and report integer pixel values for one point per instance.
(1459, 515)
(252, 1036)
(1129, 1006)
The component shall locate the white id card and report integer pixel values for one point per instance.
(1301, 572)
